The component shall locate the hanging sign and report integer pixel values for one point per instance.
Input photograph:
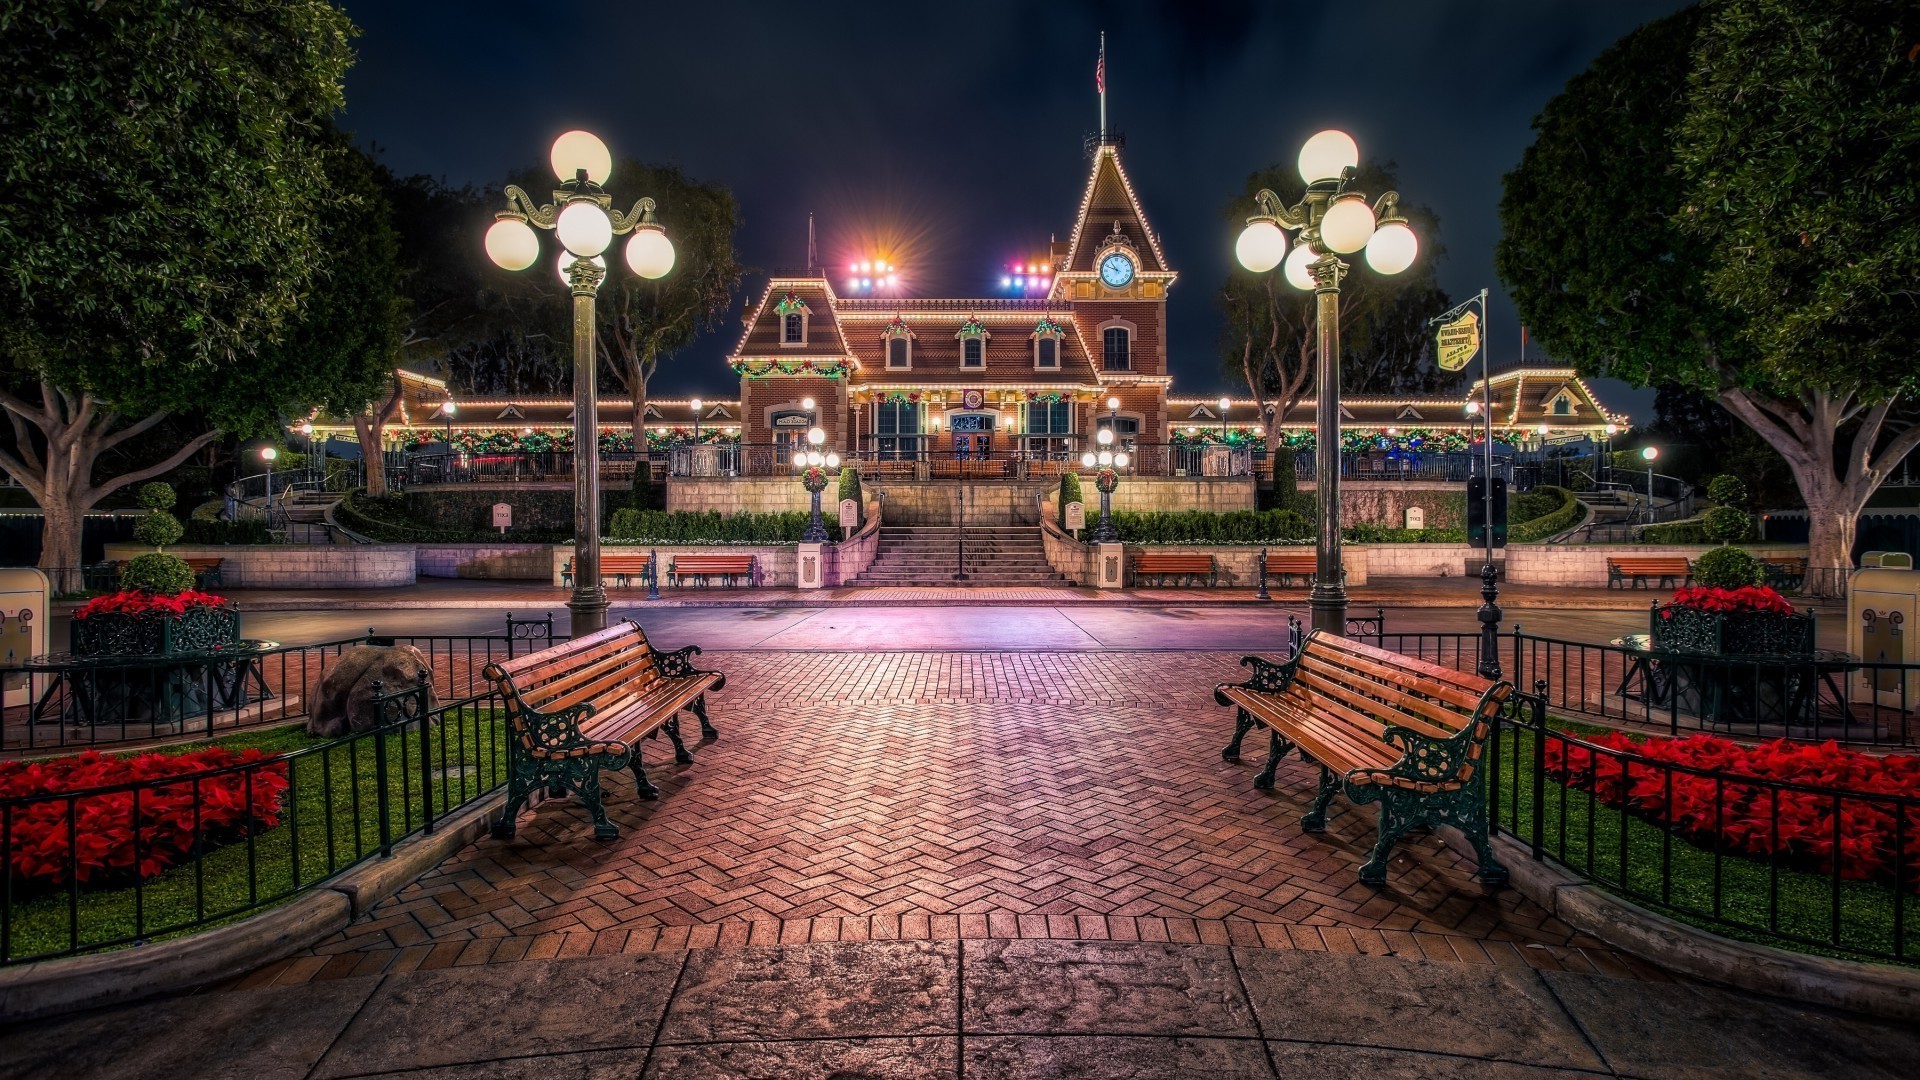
(1459, 341)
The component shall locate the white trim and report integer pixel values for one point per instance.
(806, 317)
(1133, 336)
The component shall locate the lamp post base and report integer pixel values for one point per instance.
(1489, 615)
(1329, 605)
(816, 531)
(587, 611)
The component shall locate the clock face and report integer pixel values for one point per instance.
(1116, 270)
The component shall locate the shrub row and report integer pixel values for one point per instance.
(706, 527)
(1206, 527)
(1531, 528)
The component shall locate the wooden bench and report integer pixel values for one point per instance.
(1288, 565)
(725, 567)
(1383, 728)
(1785, 572)
(206, 571)
(582, 706)
(625, 567)
(1191, 564)
(1636, 569)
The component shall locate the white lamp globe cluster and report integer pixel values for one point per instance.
(583, 227)
(817, 438)
(1107, 456)
(1347, 226)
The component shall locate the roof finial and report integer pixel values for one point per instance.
(811, 251)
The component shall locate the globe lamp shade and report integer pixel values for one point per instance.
(1650, 453)
(1113, 403)
(511, 244)
(1296, 272)
(817, 436)
(568, 258)
(1328, 155)
(1393, 248)
(268, 453)
(1086, 460)
(1120, 460)
(584, 228)
(833, 460)
(1104, 437)
(1261, 246)
(578, 150)
(1347, 227)
(650, 253)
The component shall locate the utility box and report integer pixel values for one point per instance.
(25, 595)
(1882, 601)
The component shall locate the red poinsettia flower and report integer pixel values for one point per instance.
(1727, 601)
(135, 602)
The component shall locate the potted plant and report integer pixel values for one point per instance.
(157, 611)
(1729, 611)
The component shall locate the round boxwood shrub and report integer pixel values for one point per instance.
(1727, 490)
(157, 496)
(157, 527)
(1728, 568)
(157, 573)
(1726, 524)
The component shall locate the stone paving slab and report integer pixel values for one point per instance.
(914, 1015)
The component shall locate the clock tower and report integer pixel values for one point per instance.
(1112, 276)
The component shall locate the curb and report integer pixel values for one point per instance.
(72, 983)
(1875, 989)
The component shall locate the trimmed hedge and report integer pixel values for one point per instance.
(1690, 531)
(1069, 493)
(1208, 527)
(706, 527)
(393, 520)
(1532, 529)
(1382, 534)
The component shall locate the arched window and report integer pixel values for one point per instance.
(898, 353)
(1046, 353)
(793, 313)
(973, 344)
(796, 330)
(1116, 349)
(1562, 407)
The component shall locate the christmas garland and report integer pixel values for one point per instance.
(826, 369)
(561, 442)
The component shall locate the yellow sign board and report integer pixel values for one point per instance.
(1459, 341)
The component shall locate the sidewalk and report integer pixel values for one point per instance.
(1423, 592)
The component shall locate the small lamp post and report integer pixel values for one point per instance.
(1105, 481)
(696, 404)
(1225, 404)
(268, 453)
(447, 409)
(1605, 472)
(808, 404)
(1332, 220)
(814, 479)
(1647, 455)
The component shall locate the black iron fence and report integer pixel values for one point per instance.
(64, 701)
(126, 863)
(1771, 860)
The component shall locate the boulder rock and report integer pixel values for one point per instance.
(345, 701)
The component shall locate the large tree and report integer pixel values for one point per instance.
(167, 182)
(1269, 341)
(1726, 200)
(642, 321)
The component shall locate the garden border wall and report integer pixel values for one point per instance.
(297, 566)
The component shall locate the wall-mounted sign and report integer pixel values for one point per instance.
(502, 517)
(973, 399)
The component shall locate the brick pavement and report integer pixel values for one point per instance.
(860, 796)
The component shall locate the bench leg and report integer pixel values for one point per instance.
(642, 786)
(1277, 748)
(699, 708)
(1242, 724)
(517, 792)
(680, 755)
(1316, 817)
(1395, 822)
(587, 786)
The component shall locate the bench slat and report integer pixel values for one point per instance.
(559, 655)
(1399, 664)
(612, 678)
(1387, 676)
(1433, 721)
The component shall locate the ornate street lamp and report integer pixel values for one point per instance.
(1647, 455)
(814, 478)
(696, 404)
(1332, 221)
(583, 217)
(1105, 481)
(447, 409)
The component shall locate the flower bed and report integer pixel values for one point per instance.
(1797, 827)
(138, 623)
(1750, 619)
(109, 844)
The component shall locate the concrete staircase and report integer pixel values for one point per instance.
(996, 556)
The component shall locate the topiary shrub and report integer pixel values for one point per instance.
(1726, 524)
(157, 573)
(1727, 490)
(1069, 493)
(850, 488)
(158, 528)
(157, 496)
(1728, 568)
(644, 489)
(1286, 486)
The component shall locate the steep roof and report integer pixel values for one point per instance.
(935, 327)
(1110, 200)
(761, 341)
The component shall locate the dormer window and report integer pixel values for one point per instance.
(898, 341)
(973, 344)
(1562, 407)
(794, 315)
(1046, 345)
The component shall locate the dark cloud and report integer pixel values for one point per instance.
(954, 130)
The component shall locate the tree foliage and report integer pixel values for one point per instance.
(1725, 201)
(1385, 347)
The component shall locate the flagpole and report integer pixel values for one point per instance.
(1103, 87)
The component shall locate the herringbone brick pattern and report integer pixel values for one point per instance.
(864, 795)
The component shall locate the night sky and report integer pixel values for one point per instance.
(949, 135)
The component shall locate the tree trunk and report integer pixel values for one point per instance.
(637, 390)
(1830, 534)
(373, 460)
(60, 540)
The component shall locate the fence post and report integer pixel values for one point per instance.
(1539, 766)
(422, 700)
(382, 798)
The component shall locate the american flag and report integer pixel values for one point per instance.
(1100, 70)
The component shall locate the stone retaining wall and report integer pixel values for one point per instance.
(776, 565)
(1585, 565)
(758, 494)
(296, 566)
(499, 562)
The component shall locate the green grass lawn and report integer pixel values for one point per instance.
(1627, 855)
(330, 820)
